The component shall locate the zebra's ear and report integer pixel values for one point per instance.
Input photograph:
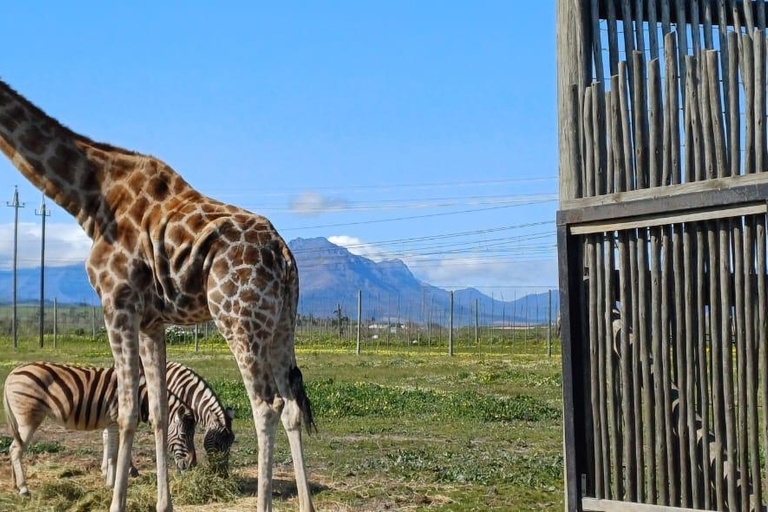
(230, 413)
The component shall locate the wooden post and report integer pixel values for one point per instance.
(477, 323)
(197, 340)
(55, 322)
(359, 317)
(93, 322)
(573, 51)
(549, 327)
(450, 330)
(574, 73)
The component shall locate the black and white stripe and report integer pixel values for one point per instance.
(80, 398)
(209, 413)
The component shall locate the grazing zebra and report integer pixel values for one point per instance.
(80, 398)
(208, 411)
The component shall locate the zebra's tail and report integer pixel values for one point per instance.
(296, 382)
(13, 425)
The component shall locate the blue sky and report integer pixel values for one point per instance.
(330, 118)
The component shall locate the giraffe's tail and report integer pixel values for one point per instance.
(296, 382)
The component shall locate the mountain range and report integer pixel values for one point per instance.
(330, 278)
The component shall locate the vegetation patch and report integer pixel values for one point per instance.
(35, 448)
(332, 399)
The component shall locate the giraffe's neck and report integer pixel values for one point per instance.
(67, 167)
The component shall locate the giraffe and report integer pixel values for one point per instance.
(164, 253)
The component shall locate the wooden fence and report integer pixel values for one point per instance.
(662, 240)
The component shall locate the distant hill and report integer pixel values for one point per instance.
(330, 276)
(69, 285)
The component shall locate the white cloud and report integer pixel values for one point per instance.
(455, 272)
(487, 275)
(313, 204)
(360, 248)
(65, 244)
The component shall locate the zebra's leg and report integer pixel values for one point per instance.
(104, 454)
(21, 438)
(109, 463)
(121, 319)
(152, 343)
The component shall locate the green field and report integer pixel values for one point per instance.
(407, 429)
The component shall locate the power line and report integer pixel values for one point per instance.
(412, 217)
(394, 186)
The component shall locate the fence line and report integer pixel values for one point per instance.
(371, 323)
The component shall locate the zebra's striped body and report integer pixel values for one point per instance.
(79, 398)
(209, 413)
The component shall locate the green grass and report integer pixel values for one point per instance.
(409, 429)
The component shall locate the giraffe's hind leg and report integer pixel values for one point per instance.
(265, 405)
(290, 387)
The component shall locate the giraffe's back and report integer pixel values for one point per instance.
(202, 244)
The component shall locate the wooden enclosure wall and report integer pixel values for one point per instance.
(662, 235)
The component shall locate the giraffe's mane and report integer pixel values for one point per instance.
(37, 111)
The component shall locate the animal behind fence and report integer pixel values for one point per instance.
(81, 398)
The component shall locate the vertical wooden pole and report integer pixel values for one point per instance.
(359, 318)
(574, 73)
(450, 328)
(574, 69)
(55, 322)
(549, 325)
(477, 323)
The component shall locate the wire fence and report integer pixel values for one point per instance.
(372, 323)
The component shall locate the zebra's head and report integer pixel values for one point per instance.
(181, 438)
(217, 442)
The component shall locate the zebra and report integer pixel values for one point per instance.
(209, 413)
(80, 398)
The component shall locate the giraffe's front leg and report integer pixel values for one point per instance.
(152, 343)
(122, 321)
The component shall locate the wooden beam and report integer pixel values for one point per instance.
(679, 198)
(664, 219)
(595, 505)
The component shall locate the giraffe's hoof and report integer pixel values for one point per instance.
(24, 492)
(133, 472)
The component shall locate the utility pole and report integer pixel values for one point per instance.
(450, 332)
(42, 212)
(477, 322)
(15, 204)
